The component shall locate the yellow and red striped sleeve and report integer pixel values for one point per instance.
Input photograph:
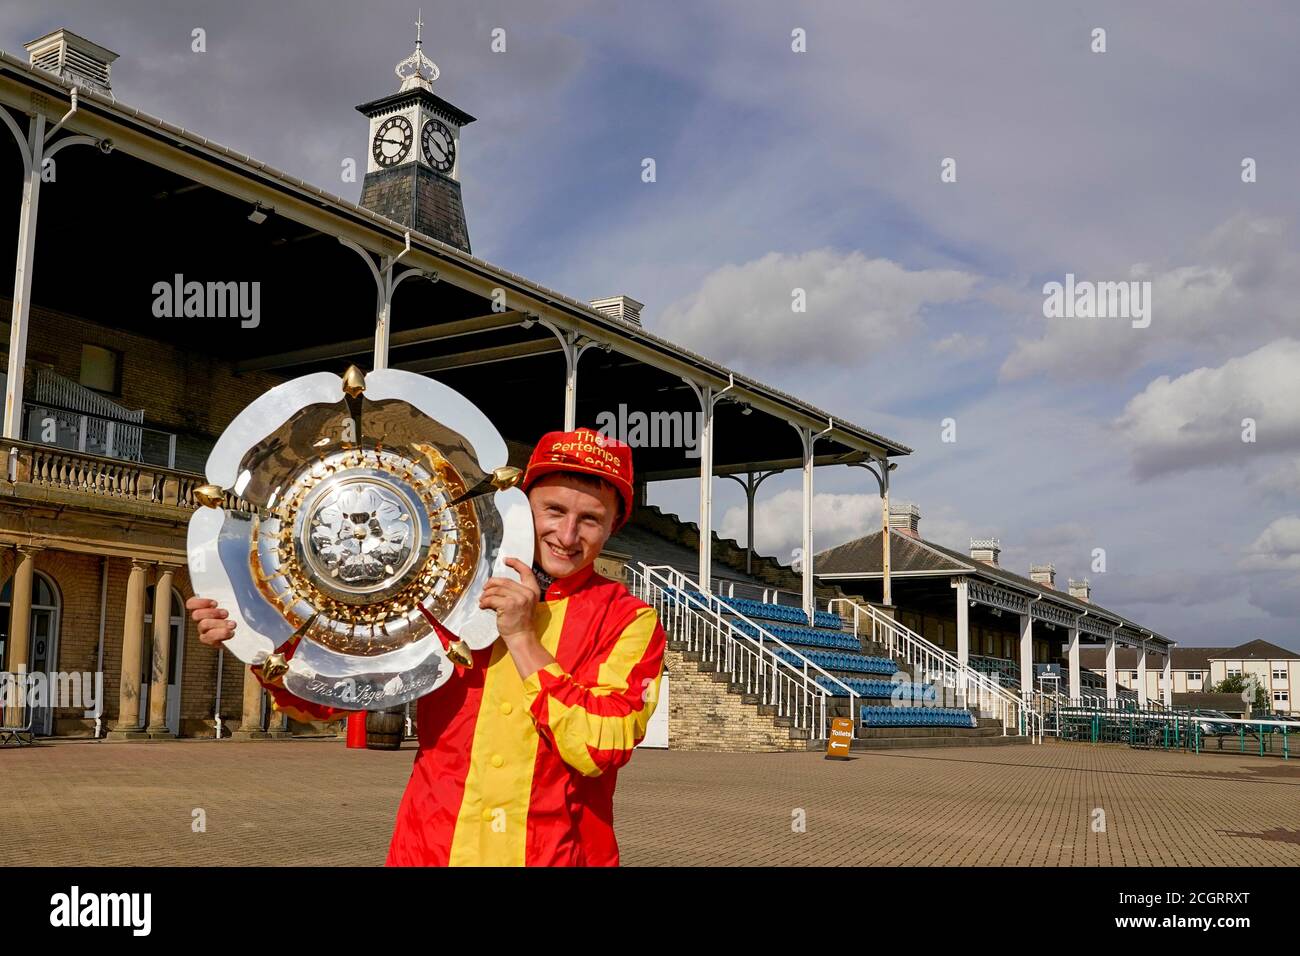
(594, 727)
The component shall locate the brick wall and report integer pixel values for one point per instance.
(188, 393)
(704, 714)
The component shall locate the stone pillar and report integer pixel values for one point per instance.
(1142, 675)
(1169, 677)
(1076, 679)
(128, 707)
(20, 630)
(160, 658)
(1026, 655)
(250, 727)
(1111, 681)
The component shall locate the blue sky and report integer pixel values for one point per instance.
(821, 169)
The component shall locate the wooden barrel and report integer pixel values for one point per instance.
(385, 729)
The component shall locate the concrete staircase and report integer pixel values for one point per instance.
(708, 712)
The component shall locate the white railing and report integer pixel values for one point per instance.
(709, 627)
(52, 387)
(933, 665)
(46, 423)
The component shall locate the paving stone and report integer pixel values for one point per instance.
(302, 802)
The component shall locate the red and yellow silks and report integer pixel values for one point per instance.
(514, 772)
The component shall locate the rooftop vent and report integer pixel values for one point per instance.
(620, 307)
(986, 550)
(74, 58)
(905, 519)
(1044, 574)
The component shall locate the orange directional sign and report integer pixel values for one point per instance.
(837, 746)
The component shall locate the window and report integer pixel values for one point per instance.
(1234, 671)
(1280, 697)
(1133, 675)
(100, 369)
(1194, 675)
(1279, 674)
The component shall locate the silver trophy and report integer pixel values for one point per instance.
(342, 518)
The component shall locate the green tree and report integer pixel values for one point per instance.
(1236, 683)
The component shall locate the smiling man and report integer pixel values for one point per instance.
(518, 754)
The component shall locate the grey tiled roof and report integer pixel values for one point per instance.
(918, 556)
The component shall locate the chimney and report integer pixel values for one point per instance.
(1081, 590)
(986, 550)
(620, 307)
(74, 58)
(905, 519)
(1044, 574)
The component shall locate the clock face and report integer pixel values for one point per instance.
(438, 145)
(392, 141)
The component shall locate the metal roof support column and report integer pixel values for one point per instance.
(386, 284)
(1142, 674)
(708, 397)
(1168, 678)
(33, 154)
(962, 587)
(1026, 655)
(808, 439)
(881, 472)
(750, 484)
(573, 344)
(1111, 691)
(1076, 685)
(36, 148)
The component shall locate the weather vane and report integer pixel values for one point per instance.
(417, 69)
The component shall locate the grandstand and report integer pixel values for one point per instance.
(93, 530)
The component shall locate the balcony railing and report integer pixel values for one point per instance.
(49, 466)
(48, 424)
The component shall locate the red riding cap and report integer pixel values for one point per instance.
(585, 452)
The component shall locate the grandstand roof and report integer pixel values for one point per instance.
(194, 195)
(915, 557)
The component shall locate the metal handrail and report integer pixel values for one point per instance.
(651, 579)
(909, 645)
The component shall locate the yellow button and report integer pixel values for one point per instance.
(507, 707)
(498, 760)
(487, 816)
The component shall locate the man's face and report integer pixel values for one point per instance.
(572, 521)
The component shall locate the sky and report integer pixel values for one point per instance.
(923, 172)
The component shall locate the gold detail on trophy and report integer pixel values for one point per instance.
(354, 382)
(459, 653)
(210, 496)
(274, 668)
(507, 476)
(441, 580)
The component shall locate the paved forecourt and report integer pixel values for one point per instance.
(317, 803)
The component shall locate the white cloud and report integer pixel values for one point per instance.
(1277, 548)
(855, 307)
(1283, 481)
(1196, 419)
(961, 345)
(1241, 291)
(778, 521)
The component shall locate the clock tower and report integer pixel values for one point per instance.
(413, 158)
